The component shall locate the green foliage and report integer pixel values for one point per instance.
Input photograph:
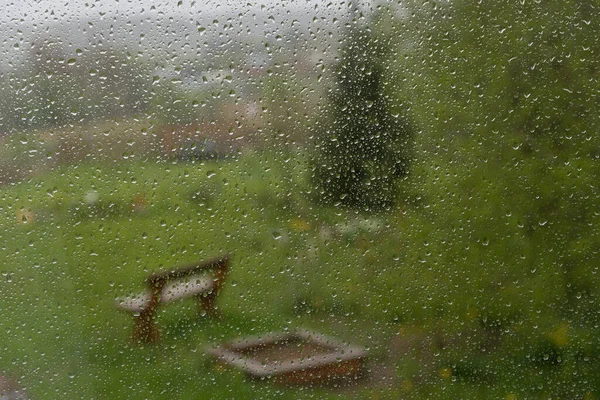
(363, 154)
(509, 162)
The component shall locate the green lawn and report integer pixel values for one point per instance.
(76, 238)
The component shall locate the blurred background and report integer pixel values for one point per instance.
(420, 178)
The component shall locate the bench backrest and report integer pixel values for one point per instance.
(217, 267)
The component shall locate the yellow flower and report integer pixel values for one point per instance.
(219, 367)
(25, 216)
(407, 385)
(299, 225)
(445, 372)
(472, 313)
(559, 336)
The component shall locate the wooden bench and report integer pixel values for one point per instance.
(201, 280)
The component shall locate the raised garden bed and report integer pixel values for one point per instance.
(299, 357)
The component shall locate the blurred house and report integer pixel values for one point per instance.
(234, 129)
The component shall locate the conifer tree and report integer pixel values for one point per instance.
(364, 151)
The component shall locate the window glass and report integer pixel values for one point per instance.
(418, 181)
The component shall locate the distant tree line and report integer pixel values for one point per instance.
(56, 88)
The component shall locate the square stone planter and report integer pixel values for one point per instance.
(300, 357)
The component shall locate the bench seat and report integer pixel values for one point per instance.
(173, 291)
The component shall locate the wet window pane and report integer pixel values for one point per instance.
(310, 199)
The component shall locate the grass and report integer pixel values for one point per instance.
(80, 236)
(85, 242)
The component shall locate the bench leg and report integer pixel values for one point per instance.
(206, 304)
(144, 328)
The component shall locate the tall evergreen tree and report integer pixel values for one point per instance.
(363, 153)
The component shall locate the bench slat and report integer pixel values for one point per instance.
(173, 291)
